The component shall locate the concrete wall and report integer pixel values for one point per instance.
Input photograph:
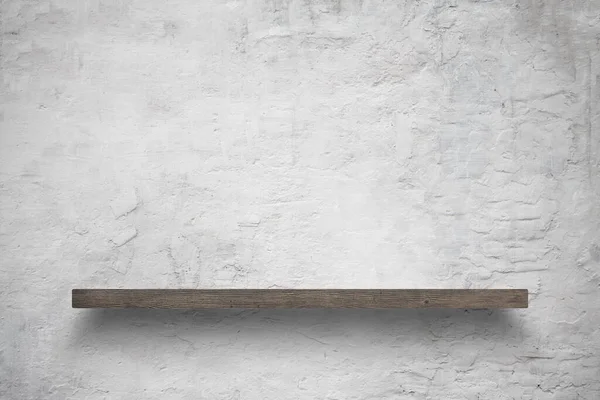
(300, 144)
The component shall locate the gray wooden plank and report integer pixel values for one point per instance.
(299, 298)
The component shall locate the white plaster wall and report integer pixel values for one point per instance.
(300, 144)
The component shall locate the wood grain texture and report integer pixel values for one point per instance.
(300, 298)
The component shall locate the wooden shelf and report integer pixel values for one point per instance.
(300, 298)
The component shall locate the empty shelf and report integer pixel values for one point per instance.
(300, 298)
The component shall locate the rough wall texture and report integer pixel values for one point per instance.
(327, 143)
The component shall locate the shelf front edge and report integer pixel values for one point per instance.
(299, 298)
